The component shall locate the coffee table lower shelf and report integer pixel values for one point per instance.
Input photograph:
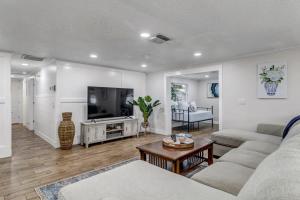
(180, 165)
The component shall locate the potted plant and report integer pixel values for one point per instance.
(146, 107)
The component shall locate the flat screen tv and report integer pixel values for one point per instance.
(105, 102)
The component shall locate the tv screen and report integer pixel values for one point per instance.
(105, 102)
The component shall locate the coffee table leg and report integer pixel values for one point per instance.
(174, 167)
(143, 156)
(177, 167)
(210, 155)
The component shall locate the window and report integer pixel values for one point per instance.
(179, 92)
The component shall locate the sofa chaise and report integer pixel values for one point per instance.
(255, 170)
(228, 139)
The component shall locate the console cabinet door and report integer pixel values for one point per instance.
(100, 133)
(130, 128)
(127, 128)
(90, 136)
(134, 127)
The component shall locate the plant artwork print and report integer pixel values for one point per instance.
(272, 81)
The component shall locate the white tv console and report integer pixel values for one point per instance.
(105, 130)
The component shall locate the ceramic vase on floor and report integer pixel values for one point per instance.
(66, 131)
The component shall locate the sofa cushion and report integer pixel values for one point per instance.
(258, 146)
(139, 180)
(235, 137)
(276, 178)
(246, 158)
(295, 130)
(291, 143)
(270, 129)
(225, 176)
(220, 150)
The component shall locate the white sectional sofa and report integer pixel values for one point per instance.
(256, 170)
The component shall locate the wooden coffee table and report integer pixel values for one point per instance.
(182, 161)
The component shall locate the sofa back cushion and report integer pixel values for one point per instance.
(276, 178)
(291, 123)
(270, 129)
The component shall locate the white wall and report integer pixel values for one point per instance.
(192, 87)
(156, 89)
(5, 105)
(72, 83)
(239, 85)
(204, 101)
(17, 100)
(44, 107)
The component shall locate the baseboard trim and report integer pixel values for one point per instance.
(47, 139)
(209, 122)
(2, 100)
(73, 100)
(5, 151)
(158, 131)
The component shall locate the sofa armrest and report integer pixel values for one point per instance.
(270, 129)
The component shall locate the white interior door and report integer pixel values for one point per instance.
(17, 101)
(29, 104)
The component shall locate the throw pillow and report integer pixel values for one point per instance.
(193, 106)
(183, 105)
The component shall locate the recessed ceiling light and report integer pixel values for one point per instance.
(178, 73)
(67, 67)
(93, 55)
(112, 73)
(52, 68)
(24, 73)
(197, 54)
(12, 76)
(24, 64)
(144, 65)
(206, 76)
(145, 35)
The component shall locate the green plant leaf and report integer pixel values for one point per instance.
(145, 106)
(148, 99)
(156, 103)
(135, 103)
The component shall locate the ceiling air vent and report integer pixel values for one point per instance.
(159, 39)
(33, 58)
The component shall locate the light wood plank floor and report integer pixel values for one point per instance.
(36, 163)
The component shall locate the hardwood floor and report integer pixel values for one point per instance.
(35, 162)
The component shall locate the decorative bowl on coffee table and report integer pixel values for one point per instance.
(181, 143)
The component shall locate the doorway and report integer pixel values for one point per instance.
(17, 101)
(22, 101)
(193, 100)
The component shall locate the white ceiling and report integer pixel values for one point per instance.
(19, 70)
(220, 29)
